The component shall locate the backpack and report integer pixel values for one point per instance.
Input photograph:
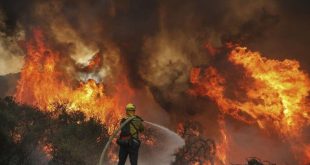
(125, 137)
(125, 131)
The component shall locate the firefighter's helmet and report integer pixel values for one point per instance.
(130, 107)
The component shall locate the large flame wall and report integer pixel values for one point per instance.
(276, 97)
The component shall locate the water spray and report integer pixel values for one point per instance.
(123, 124)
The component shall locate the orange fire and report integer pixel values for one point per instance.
(48, 149)
(94, 63)
(277, 95)
(282, 88)
(44, 82)
(222, 148)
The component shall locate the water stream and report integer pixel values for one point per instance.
(177, 138)
(167, 144)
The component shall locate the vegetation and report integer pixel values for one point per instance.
(198, 149)
(30, 136)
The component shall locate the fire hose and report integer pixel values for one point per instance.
(111, 138)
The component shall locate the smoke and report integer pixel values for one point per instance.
(8, 83)
(11, 59)
(154, 44)
(256, 144)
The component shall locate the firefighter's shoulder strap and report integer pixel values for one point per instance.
(125, 126)
(134, 126)
(125, 121)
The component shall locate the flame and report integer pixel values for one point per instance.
(48, 149)
(44, 82)
(277, 97)
(282, 87)
(94, 63)
(222, 148)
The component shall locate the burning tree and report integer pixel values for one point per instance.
(198, 150)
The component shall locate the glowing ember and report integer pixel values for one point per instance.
(148, 140)
(276, 97)
(48, 149)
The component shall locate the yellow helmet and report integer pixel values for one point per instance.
(130, 107)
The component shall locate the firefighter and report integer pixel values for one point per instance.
(129, 137)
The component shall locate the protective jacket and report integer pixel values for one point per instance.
(135, 126)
